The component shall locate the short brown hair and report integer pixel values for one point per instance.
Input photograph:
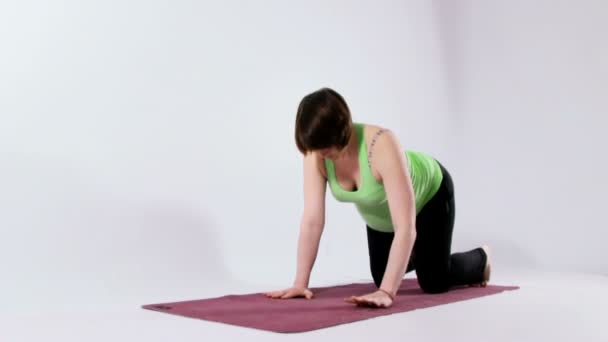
(323, 120)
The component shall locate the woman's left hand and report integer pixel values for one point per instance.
(378, 299)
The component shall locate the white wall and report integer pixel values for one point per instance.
(530, 84)
(146, 147)
(147, 153)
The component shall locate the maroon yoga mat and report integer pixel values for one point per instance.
(326, 309)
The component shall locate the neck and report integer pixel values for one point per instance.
(351, 151)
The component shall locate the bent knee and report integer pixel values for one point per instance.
(377, 280)
(433, 286)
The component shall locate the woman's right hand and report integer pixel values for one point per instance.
(292, 292)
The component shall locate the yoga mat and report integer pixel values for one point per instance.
(326, 309)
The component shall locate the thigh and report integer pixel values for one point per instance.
(434, 226)
(379, 246)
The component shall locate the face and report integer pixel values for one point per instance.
(331, 153)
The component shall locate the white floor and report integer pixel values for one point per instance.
(548, 307)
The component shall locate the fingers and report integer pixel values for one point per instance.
(290, 293)
(296, 293)
(356, 300)
(350, 299)
(366, 302)
(275, 294)
(362, 301)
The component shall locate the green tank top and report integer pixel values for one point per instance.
(370, 198)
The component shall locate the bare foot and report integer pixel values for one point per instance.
(488, 269)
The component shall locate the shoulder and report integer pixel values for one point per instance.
(380, 137)
(384, 150)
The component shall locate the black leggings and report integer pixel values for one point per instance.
(436, 268)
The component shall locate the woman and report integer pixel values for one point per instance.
(406, 199)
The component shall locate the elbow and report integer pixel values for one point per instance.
(312, 224)
(407, 232)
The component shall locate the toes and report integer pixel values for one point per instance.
(488, 269)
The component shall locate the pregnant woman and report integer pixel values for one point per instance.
(405, 198)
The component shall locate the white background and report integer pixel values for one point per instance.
(147, 151)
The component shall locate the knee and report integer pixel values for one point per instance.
(434, 289)
(377, 275)
(433, 285)
(377, 280)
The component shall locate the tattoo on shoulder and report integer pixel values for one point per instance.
(371, 145)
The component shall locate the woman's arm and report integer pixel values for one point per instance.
(390, 162)
(312, 220)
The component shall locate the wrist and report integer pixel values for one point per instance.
(390, 294)
(302, 284)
